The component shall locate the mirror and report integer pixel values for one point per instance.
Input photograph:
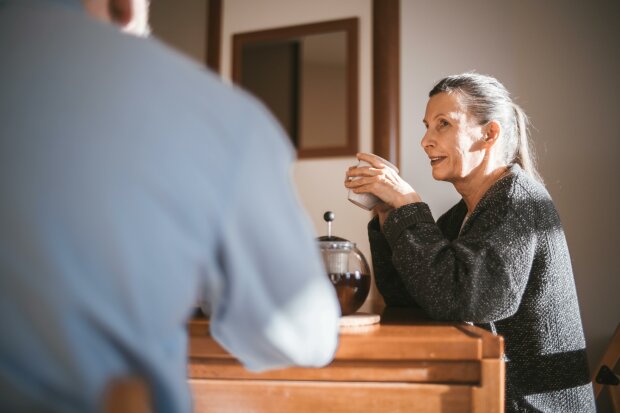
(307, 76)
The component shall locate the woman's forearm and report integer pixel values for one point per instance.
(387, 280)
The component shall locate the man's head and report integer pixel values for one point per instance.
(130, 15)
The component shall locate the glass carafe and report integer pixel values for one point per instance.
(346, 268)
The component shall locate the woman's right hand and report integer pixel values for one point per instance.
(381, 181)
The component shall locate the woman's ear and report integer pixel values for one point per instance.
(491, 132)
(121, 12)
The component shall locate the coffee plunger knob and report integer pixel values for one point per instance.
(329, 216)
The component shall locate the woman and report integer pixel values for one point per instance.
(498, 258)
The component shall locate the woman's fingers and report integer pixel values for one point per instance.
(362, 188)
(354, 183)
(372, 159)
(363, 171)
(357, 173)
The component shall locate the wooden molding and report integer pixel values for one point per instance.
(386, 79)
(214, 34)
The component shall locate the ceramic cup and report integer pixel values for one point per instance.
(366, 200)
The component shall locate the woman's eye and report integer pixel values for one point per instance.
(443, 123)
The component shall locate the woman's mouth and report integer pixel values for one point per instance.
(436, 159)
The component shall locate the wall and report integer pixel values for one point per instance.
(181, 24)
(561, 61)
(319, 182)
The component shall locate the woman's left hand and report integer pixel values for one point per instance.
(381, 181)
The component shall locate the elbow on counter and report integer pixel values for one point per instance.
(315, 332)
(312, 340)
(290, 347)
(303, 334)
(324, 343)
(284, 343)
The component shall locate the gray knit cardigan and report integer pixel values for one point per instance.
(508, 271)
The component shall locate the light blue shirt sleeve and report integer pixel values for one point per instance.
(275, 306)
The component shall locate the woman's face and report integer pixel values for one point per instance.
(453, 139)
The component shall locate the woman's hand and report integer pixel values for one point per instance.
(381, 181)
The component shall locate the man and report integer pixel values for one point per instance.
(130, 180)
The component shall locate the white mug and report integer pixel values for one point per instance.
(366, 200)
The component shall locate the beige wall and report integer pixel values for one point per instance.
(319, 182)
(561, 61)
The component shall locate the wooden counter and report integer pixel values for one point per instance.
(404, 364)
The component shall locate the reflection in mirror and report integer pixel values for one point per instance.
(323, 88)
(269, 71)
(307, 76)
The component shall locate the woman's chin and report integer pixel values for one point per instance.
(438, 176)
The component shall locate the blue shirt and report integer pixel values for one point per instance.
(131, 180)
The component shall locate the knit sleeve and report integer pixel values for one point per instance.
(479, 276)
(387, 280)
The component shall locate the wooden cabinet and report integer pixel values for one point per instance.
(404, 364)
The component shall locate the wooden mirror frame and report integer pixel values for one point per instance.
(351, 28)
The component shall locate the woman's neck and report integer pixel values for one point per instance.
(473, 188)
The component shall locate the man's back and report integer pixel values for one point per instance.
(131, 181)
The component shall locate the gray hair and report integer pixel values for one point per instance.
(486, 99)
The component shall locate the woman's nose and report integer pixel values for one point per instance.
(427, 140)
